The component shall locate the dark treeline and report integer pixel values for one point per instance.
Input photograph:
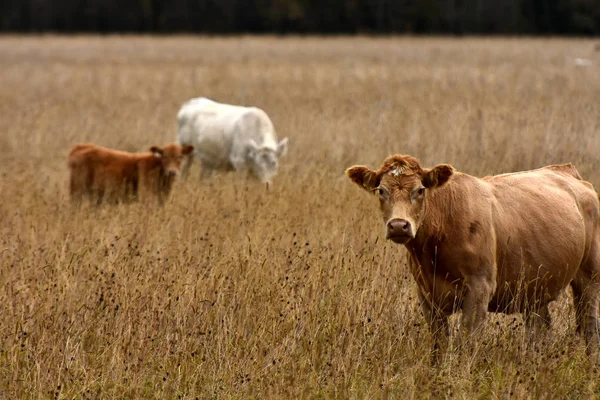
(575, 17)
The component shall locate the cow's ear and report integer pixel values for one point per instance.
(187, 150)
(282, 147)
(156, 151)
(363, 177)
(251, 148)
(437, 176)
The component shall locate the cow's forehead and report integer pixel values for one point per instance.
(400, 171)
(399, 164)
(401, 179)
(171, 150)
(268, 150)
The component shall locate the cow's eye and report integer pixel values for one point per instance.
(382, 193)
(418, 193)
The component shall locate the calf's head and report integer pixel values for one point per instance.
(170, 157)
(264, 161)
(402, 186)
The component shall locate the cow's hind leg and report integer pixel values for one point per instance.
(80, 183)
(76, 188)
(586, 295)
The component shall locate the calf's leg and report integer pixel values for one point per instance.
(76, 187)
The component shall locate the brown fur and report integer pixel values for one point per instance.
(505, 243)
(105, 174)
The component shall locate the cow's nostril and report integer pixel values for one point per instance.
(172, 173)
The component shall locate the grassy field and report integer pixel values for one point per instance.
(233, 291)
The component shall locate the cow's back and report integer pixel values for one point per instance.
(98, 157)
(255, 124)
(98, 169)
(202, 118)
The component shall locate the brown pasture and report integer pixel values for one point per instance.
(234, 291)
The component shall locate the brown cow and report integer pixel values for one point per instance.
(102, 173)
(506, 243)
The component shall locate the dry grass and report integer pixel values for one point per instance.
(230, 291)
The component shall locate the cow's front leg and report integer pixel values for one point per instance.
(438, 326)
(187, 164)
(475, 304)
(238, 163)
(207, 171)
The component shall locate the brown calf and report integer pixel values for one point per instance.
(100, 173)
(506, 243)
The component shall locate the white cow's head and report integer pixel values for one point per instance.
(264, 161)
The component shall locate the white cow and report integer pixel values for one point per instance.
(227, 137)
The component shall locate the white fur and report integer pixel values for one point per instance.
(582, 62)
(398, 171)
(229, 137)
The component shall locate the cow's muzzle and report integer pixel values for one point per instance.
(399, 231)
(172, 173)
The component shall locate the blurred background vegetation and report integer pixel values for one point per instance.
(532, 17)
